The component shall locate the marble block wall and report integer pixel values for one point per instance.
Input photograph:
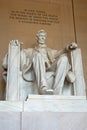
(38, 103)
(10, 120)
(44, 113)
(53, 121)
(43, 121)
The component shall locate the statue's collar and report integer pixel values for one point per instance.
(41, 46)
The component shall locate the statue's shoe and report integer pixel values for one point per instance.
(49, 91)
(46, 91)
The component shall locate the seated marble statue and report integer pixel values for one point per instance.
(43, 60)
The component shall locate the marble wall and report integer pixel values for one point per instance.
(44, 113)
(43, 121)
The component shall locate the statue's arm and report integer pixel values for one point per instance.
(70, 47)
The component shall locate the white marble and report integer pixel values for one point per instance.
(12, 86)
(43, 120)
(10, 121)
(54, 121)
(79, 84)
(46, 103)
(55, 97)
(42, 70)
(56, 103)
(11, 106)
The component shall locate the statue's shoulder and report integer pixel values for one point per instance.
(27, 52)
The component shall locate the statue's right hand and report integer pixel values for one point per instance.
(15, 42)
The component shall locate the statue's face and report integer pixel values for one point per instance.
(41, 38)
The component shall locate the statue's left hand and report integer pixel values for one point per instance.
(71, 46)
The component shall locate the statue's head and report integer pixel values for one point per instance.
(41, 36)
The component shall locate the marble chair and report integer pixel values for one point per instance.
(18, 88)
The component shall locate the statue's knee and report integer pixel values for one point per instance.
(63, 60)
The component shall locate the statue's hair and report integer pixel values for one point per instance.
(41, 31)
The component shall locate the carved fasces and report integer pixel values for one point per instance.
(12, 86)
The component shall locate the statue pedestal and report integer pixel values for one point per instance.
(56, 103)
(43, 112)
(45, 103)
